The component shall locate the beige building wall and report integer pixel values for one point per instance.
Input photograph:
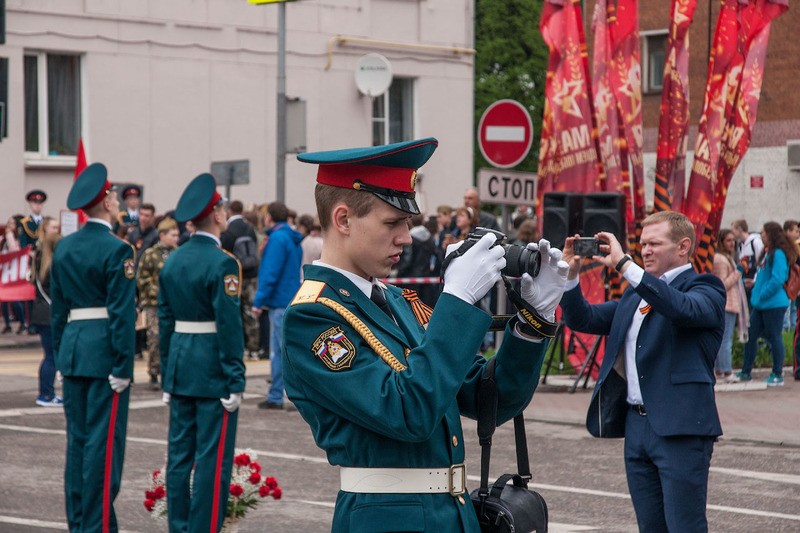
(170, 86)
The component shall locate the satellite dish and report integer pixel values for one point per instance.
(373, 75)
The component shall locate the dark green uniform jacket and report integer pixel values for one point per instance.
(93, 268)
(200, 283)
(365, 413)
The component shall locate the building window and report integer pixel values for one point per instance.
(52, 104)
(654, 53)
(393, 113)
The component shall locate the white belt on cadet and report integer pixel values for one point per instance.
(450, 480)
(184, 326)
(87, 313)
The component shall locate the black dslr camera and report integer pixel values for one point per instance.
(518, 258)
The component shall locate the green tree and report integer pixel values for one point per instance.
(511, 62)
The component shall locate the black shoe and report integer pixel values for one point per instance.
(267, 405)
(154, 386)
(22, 329)
(6, 329)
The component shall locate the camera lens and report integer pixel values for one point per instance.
(520, 260)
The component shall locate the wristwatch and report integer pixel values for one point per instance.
(625, 259)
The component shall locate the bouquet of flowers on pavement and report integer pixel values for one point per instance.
(248, 487)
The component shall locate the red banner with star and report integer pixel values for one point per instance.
(674, 118)
(740, 107)
(568, 158)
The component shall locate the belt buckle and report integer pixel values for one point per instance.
(451, 473)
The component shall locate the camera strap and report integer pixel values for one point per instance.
(531, 323)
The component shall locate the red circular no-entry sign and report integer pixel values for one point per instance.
(505, 133)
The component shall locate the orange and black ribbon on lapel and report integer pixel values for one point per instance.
(420, 309)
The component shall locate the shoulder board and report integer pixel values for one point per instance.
(308, 292)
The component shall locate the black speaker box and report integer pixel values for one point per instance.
(563, 216)
(604, 211)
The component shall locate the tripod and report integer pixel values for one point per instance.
(562, 345)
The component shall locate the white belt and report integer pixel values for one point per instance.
(450, 480)
(184, 326)
(87, 313)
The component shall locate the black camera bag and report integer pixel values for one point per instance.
(502, 507)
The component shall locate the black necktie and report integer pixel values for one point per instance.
(380, 300)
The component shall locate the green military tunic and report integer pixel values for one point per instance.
(93, 269)
(200, 283)
(395, 410)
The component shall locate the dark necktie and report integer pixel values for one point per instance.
(380, 300)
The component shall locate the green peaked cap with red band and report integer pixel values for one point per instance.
(198, 199)
(389, 171)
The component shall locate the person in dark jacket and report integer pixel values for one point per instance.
(238, 228)
(278, 281)
(47, 238)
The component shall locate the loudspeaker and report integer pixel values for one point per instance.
(604, 211)
(563, 216)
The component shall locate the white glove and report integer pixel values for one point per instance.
(472, 275)
(118, 385)
(165, 397)
(544, 292)
(232, 402)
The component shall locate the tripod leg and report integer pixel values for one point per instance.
(587, 365)
(556, 344)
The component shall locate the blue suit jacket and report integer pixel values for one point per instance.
(675, 353)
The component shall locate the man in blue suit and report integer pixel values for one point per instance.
(656, 382)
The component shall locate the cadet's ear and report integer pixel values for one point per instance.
(340, 216)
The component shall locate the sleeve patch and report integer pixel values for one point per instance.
(231, 283)
(129, 265)
(334, 349)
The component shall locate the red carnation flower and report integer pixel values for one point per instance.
(236, 490)
(149, 504)
(277, 493)
(160, 492)
(255, 467)
(271, 482)
(263, 491)
(150, 495)
(255, 478)
(242, 459)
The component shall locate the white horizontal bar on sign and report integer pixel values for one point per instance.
(505, 133)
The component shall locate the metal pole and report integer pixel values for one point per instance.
(280, 111)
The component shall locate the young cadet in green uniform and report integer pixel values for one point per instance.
(93, 319)
(381, 382)
(202, 363)
(128, 217)
(29, 224)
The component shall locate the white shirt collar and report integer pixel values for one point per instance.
(364, 285)
(209, 235)
(234, 217)
(670, 275)
(106, 223)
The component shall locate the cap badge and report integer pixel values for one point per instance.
(413, 180)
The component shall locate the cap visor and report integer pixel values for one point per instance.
(407, 205)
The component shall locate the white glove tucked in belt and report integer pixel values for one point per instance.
(166, 397)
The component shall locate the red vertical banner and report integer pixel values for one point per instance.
(79, 167)
(744, 47)
(674, 118)
(568, 158)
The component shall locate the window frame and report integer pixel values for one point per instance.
(386, 119)
(645, 36)
(42, 157)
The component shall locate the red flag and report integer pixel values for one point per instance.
(741, 107)
(79, 167)
(14, 269)
(674, 119)
(568, 158)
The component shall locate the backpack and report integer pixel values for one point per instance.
(246, 251)
(792, 285)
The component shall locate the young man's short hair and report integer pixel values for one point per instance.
(147, 207)
(236, 207)
(278, 211)
(327, 196)
(741, 224)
